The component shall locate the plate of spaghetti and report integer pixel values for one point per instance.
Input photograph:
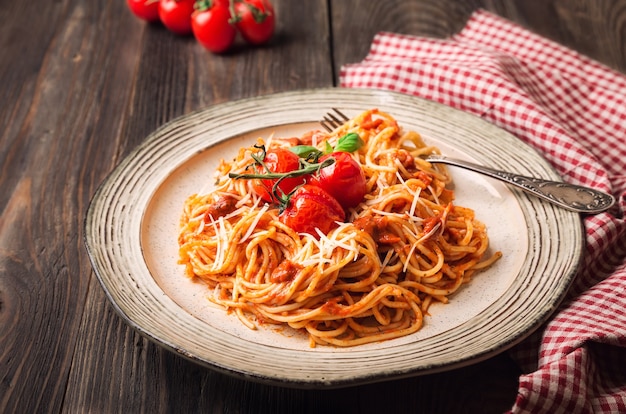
(246, 238)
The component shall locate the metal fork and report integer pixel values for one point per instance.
(332, 121)
(568, 196)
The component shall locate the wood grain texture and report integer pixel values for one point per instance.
(49, 166)
(81, 84)
(596, 29)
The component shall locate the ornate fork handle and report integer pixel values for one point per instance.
(572, 197)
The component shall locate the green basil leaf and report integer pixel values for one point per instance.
(303, 151)
(329, 148)
(349, 143)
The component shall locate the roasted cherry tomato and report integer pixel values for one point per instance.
(255, 20)
(310, 208)
(176, 15)
(278, 160)
(211, 25)
(344, 179)
(145, 9)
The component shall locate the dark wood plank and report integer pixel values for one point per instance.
(593, 28)
(59, 58)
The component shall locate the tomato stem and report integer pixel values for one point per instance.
(306, 168)
(202, 5)
(234, 17)
(258, 15)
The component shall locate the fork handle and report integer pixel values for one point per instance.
(569, 196)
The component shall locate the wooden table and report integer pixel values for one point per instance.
(81, 84)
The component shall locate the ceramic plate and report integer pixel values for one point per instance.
(132, 227)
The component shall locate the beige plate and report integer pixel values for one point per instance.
(132, 225)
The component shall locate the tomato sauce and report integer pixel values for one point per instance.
(331, 307)
(285, 272)
(224, 205)
(378, 228)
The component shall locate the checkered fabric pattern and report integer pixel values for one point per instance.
(573, 111)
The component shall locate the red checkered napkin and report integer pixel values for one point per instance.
(573, 111)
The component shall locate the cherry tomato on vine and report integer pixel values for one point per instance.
(344, 179)
(211, 25)
(176, 15)
(310, 207)
(278, 160)
(145, 9)
(255, 20)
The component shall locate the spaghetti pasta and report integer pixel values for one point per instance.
(372, 277)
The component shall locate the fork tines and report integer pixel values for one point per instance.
(332, 121)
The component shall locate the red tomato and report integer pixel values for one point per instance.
(344, 179)
(278, 160)
(309, 208)
(255, 20)
(145, 9)
(176, 15)
(211, 26)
